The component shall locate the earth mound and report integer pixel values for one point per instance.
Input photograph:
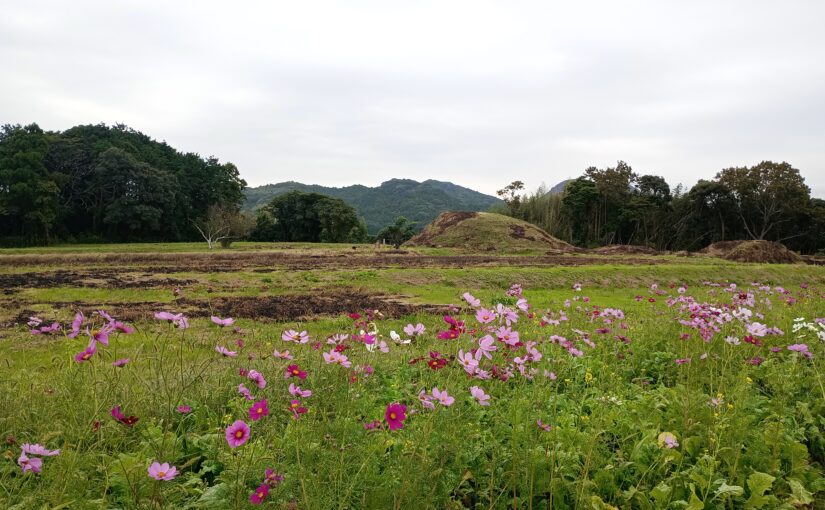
(763, 252)
(486, 232)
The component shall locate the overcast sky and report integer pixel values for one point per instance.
(478, 93)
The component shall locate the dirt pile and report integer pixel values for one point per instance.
(762, 252)
(486, 232)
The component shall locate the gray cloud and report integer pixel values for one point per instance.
(479, 93)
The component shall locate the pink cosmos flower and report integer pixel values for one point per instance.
(177, 319)
(32, 464)
(259, 496)
(507, 335)
(162, 471)
(471, 300)
(395, 415)
(801, 349)
(544, 426)
(296, 391)
(237, 433)
(682, 361)
(223, 322)
(38, 449)
(120, 362)
(257, 378)
(425, 400)
(87, 353)
(282, 355)
(522, 305)
(184, 409)
(122, 327)
(478, 394)
(485, 316)
(295, 371)
(220, 349)
(243, 390)
(294, 336)
(442, 397)
(102, 335)
(467, 361)
(76, 323)
(486, 346)
(550, 375)
(258, 410)
(416, 330)
(334, 356)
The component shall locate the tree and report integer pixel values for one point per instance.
(769, 197)
(398, 233)
(309, 217)
(223, 225)
(511, 197)
(29, 192)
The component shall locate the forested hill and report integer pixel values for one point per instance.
(420, 202)
(105, 183)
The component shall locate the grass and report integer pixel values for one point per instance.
(749, 436)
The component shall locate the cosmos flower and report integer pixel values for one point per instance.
(471, 300)
(118, 415)
(225, 352)
(257, 378)
(184, 409)
(162, 471)
(38, 449)
(443, 397)
(258, 410)
(478, 394)
(294, 371)
(223, 322)
(296, 391)
(259, 496)
(667, 440)
(395, 415)
(294, 336)
(237, 433)
(87, 353)
(485, 316)
(416, 330)
(243, 390)
(27, 463)
(120, 362)
(282, 355)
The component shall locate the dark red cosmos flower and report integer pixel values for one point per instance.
(129, 421)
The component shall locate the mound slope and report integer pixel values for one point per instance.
(482, 231)
(764, 252)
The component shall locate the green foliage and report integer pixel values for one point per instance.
(420, 202)
(398, 233)
(105, 183)
(308, 217)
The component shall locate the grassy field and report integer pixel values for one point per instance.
(620, 382)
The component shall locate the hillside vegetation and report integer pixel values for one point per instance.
(419, 202)
(480, 231)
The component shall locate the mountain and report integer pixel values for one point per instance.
(559, 188)
(417, 201)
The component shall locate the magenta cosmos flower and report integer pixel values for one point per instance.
(162, 471)
(260, 494)
(258, 410)
(223, 322)
(38, 449)
(294, 371)
(257, 378)
(395, 415)
(87, 353)
(296, 391)
(121, 362)
(184, 409)
(237, 433)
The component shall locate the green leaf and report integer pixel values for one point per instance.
(695, 503)
(799, 496)
(725, 491)
(758, 484)
(215, 497)
(661, 494)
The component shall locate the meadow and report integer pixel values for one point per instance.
(338, 376)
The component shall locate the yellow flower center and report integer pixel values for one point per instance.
(392, 416)
(161, 474)
(239, 434)
(261, 494)
(260, 410)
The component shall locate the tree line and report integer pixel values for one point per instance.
(97, 183)
(615, 205)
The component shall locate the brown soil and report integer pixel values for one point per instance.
(99, 279)
(285, 307)
(763, 252)
(110, 265)
(630, 249)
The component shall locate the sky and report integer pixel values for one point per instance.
(479, 93)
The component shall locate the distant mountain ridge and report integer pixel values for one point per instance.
(417, 201)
